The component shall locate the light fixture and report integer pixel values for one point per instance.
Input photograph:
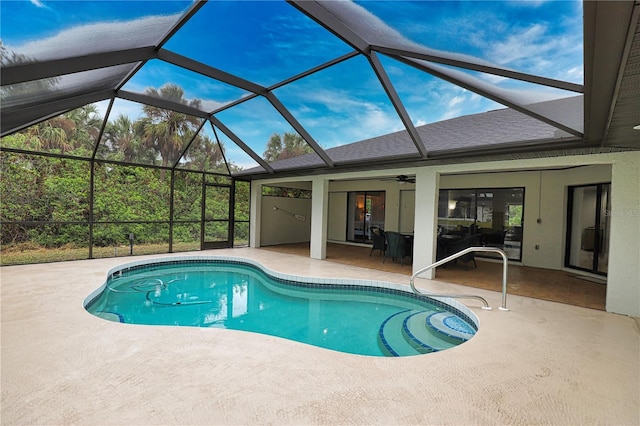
(452, 204)
(636, 127)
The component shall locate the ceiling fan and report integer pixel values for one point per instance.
(403, 179)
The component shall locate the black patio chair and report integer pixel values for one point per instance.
(379, 240)
(459, 245)
(396, 247)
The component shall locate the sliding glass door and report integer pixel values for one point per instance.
(364, 210)
(588, 228)
(494, 213)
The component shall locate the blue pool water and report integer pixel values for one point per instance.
(358, 319)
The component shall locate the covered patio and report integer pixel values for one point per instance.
(544, 284)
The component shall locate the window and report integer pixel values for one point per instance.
(495, 213)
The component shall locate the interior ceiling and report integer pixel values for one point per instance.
(597, 116)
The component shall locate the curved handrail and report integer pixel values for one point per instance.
(466, 296)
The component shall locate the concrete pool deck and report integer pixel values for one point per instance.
(539, 363)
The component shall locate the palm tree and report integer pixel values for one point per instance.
(204, 154)
(166, 131)
(74, 131)
(48, 135)
(87, 122)
(289, 145)
(120, 137)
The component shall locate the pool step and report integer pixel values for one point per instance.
(423, 337)
(413, 332)
(451, 326)
(391, 339)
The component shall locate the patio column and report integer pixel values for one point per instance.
(254, 214)
(426, 220)
(319, 213)
(623, 285)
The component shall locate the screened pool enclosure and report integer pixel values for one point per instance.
(137, 127)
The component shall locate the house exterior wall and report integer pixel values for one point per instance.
(338, 191)
(280, 227)
(622, 169)
(407, 210)
(320, 209)
(623, 293)
(546, 195)
(337, 226)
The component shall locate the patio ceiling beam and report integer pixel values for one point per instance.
(185, 109)
(16, 74)
(161, 103)
(424, 66)
(234, 103)
(397, 103)
(103, 127)
(624, 62)
(209, 71)
(18, 118)
(220, 146)
(313, 70)
(289, 80)
(475, 66)
(188, 145)
(183, 20)
(299, 128)
(195, 7)
(322, 16)
(220, 125)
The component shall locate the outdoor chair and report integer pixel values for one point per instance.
(396, 247)
(379, 240)
(459, 245)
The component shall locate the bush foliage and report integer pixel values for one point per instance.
(50, 202)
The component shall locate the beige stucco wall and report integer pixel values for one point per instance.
(623, 294)
(546, 182)
(546, 194)
(622, 169)
(281, 227)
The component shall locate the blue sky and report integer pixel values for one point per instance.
(268, 41)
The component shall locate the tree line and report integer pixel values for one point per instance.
(50, 195)
(48, 201)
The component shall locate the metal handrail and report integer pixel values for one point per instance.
(468, 296)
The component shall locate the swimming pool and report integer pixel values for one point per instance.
(360, 317)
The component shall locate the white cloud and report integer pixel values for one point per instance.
(543, 45)
(89, 38)
(350, 119)
(523, 45)
(575, 74)
(38, 3)
(455, 101)
(529, 3)
(539, 49)
(464, 103)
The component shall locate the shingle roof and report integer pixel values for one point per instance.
(493, 128)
